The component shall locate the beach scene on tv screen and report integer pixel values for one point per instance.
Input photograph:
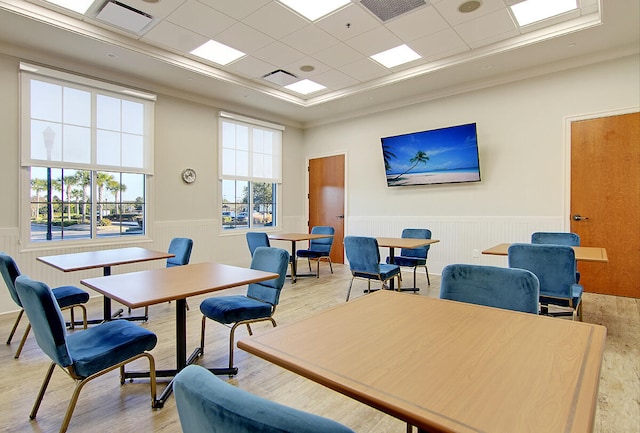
(447, 155)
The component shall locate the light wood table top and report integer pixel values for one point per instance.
(447, 366)
(293, 238)
(102, 258)
(405, 242)
(155, 286)
(585, 254)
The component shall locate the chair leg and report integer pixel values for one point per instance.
(204, 321)
(231, 339)
(309, 263)
(24, 339)
(43, 388)
(426, 271)
(349, 291)
(15, 326)
(318, 268)
(330, 265)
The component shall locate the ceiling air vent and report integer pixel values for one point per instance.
(388, 9)
(280, 77)
(123, 16)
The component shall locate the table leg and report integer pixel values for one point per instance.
(392, 261)
(294, 263)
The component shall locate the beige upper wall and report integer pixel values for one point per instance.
(521, 133)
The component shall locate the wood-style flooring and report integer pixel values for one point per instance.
(105, 405)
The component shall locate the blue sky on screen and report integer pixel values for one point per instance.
(447, 148)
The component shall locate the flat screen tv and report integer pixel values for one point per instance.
(436, 156)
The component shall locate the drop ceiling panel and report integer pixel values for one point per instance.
(294, 67)
(449, 10)
(275, 20)
(338, 55)
(310, 39)
(423, 22)
(251, 67)
(374, 41)
(487, 29)
(348, 22)
(201, 19)
(236, 9)
(364, 69)
(279, 54)
(244, 38)
(177, 38)
(335, 79)
(439, 45)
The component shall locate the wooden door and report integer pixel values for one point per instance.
(605, 193)
(326, 199)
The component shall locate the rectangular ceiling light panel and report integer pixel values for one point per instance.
(388, 9)
(313, 10)
(124, 17)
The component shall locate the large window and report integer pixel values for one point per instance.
(250, 172)
(87, 149)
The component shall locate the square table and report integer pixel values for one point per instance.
(410, 243)
(293, 238)
(104, 259)
(585, 254)
(447, 366)
(155, 286)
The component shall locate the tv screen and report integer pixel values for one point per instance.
(445, 155)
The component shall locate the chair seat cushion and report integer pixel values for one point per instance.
(231, 309)
(408, 261)
(577, 290)
(70, 295)
(386, 272)
(309, 254)
(108, 344)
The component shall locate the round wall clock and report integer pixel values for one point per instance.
(189, 175)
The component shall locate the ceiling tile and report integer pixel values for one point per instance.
(338, 55)
(487, 29)
(202, 19)
(439, 45)
(334, 79)
(364, 70)
(251, 67)
(275, 20)
(175, 37)
(279, 54)
(310, 39)
(234, 8)
(348, 22)
(374, 41)
(318, 66)
(244, 38)
(449, 10)
(422, 22)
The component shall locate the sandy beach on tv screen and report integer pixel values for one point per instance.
(427, 178)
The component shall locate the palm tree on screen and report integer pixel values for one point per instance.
(387, 155)
(420, 158)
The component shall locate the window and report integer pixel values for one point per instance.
(86, 150)
(250, 172)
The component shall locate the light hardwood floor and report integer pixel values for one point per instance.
(104, 405)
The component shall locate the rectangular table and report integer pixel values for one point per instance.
(585, 254)
(155, 286)
(393, 243)
(447, 366)
(293, 238)
(104, 259)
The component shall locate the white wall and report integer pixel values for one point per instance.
(522, 141)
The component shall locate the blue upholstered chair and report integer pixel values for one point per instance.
(181, 248)
(364, 261)
(258, 305)
(257, 239)
(67, 297)
(555, 267)
(206, 403)
(510, 289)
(414, 257)
(319, 248)
(83, 355)
(557, 238)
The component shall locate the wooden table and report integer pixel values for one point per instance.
(293, 238)
(447, 366)
(104, 259)
(155, 286)
(585, 254)
(393, 243)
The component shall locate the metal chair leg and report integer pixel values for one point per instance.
(15, 326)
(43, 388)
(204, 321)
(24, 339)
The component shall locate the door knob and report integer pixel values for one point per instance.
(578, 217)
(341, 216)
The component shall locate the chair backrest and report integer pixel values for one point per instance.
(510, 289)
(554, 265)
(45, 318)
(207, 403)
(181, 247)
(322, 245)
(274, 260)
(556, 238)
(9, 270)
(420, 252)
(257, 239)
(363, 254)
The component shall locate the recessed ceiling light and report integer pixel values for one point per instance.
(305, 87)
(79, 6)
(313, 10)
(396, 56)
(531, 11)
(307, 68)
(217, 52)
(469, 6)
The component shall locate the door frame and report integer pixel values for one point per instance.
(566, 211)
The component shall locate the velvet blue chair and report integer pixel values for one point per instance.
(319, 248)
(257, 239)
(83, 355)
(557, 238)
(414, 257)
(67, 297)
(181, 248)
(555, 267)
(510, 289)
(258, 305)
(363, 255)
(206, 403)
